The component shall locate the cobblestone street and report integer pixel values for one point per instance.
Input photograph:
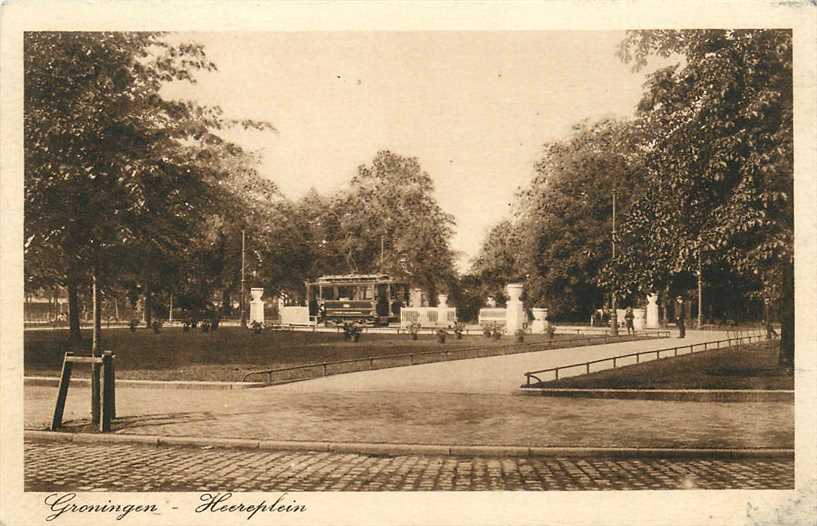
(112, 467)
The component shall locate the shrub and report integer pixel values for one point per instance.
(133, 324)
(205, 325)
(351, 331)
(156, 326)
(186, 325)
(551, 330)
(414, 329)
(459, 328)
(257, 327)
(441, 335)
(497, 332)
(520, 335)
(487, 330)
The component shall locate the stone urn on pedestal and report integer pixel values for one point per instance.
(514, 311)
(652, 312)
(540, 323)
(639, 319)
(442, 309)
(416, 298)
(257, 306)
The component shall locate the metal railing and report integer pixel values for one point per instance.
(321, 369)
(704, 346)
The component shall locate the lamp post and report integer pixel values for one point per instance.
(700, 291)
(243, 302)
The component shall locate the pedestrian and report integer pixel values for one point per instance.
(679, 316)
(628, 318)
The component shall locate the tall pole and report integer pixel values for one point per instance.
(700, 292)
(243, 310)
(613, 316)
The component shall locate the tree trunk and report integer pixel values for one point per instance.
(700, 294)
(74, 336)
(226, 302)
(97, 315)
(786, 357)
(148, 306)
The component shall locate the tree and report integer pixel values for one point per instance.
(114, 172)
(390, 204)
(500, 260)
(564, 217)
(719, 156)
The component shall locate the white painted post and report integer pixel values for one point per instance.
(652, 311)
(514, 311)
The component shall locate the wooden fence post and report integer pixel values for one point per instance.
(113, 387)
(107, 381)
(95, 393)
(62, 392)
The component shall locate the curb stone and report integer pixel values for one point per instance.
(322, 447)
(53, 381)
(389, 449)
(229, 443)
(91, 438)
(490, 451)
(412, 449)
(675, 395)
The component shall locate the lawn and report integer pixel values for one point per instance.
(230, 352)
(746, 367)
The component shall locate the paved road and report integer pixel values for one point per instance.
(496, 374)
(348, 408)
(107, 467)
(430, 418)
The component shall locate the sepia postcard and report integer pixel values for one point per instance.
(408, 263)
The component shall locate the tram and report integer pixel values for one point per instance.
(371, 299)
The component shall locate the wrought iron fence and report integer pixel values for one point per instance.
(282, 375)
(534, 377)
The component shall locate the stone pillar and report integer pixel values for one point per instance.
(514, 311)
(638, 320)
(652, 311)
(442, 310)
(540, 323)
(257, 305)
(442, 301)
(416, 298)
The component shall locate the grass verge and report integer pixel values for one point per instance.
(230, 352)
(751, 366)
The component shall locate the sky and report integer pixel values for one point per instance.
(474, 107)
